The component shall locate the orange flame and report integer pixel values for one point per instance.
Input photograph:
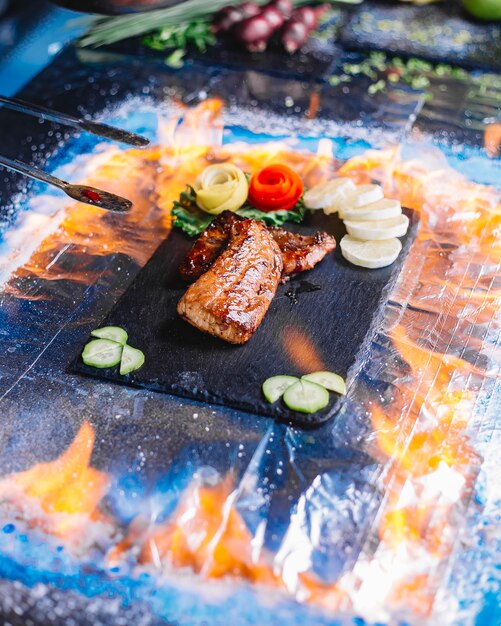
(152, 179)
(301, 350)
(66, 491)
(419, 436)
(207, 534)
(492, 139)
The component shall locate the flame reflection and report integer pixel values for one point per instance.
(418, 436)
(152, 179)
(207, 535)
(60, 496)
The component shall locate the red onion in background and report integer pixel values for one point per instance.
(306, 15)
(273, 16)
(309, 15)
(226, 18)
(249, 9)
(321, 8)
(294, 35)
(253, 25)
(253, 32)
(284, 6)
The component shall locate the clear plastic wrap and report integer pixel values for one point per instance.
(125, 506)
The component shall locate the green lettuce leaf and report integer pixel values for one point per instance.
(190, 219)
(274, 218)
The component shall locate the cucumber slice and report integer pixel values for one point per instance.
(329, 380)
(306, 397)
(114, 333)
(274, 387)
(102, 353)
(132, 359)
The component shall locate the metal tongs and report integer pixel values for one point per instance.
(82, 193)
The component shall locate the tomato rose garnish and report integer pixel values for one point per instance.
(274, 188)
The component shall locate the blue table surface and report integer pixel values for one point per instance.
(56, 28)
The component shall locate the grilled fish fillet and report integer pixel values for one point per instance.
(208, 246)
(299, 252)
(231, 298)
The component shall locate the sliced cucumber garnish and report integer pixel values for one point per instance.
(114, 333)
(306, 397)
(329, 380)
(102, 353)
(274, 387)
(132, 359)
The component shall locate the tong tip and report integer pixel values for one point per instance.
(115, 134)
(99, 198)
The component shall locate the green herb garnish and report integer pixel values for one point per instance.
(417, 74)
(190, 219)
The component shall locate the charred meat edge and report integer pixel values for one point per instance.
(299, 252)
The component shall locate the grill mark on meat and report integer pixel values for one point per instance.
(208, 246)
(231, 298)
(299, 252)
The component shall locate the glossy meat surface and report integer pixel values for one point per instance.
(208, 246)
(230, 299)
(299, 252)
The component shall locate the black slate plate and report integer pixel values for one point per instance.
(336, 323)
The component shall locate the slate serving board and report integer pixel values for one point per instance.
(328, 328)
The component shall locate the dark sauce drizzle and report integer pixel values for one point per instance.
(304, 286)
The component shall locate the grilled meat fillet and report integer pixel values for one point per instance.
(208, 246)
(231, 298)
(299, 252)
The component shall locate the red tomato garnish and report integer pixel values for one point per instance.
(274, 188)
